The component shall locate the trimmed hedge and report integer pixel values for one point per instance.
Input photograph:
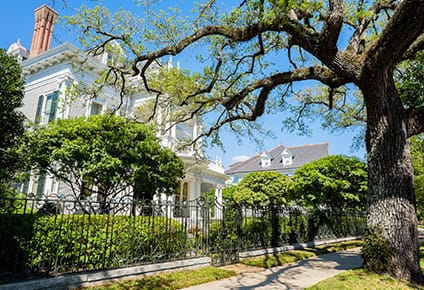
(67, 243)
(271, 229)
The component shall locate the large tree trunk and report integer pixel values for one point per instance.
(391, 214)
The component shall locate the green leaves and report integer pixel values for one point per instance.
(11, 120)
(410, 82)
(261, 188)
(335, 181)
(109, 151)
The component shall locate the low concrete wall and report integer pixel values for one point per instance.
(99, 277)
(270, 251)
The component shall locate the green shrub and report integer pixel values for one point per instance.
(66, 243)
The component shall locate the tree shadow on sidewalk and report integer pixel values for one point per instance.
(300, 274)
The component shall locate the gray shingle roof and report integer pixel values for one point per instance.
(301, 155)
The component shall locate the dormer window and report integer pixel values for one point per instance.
(265, 159)
(287, 158)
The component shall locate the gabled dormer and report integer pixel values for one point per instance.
(265, 159)
(287, 157)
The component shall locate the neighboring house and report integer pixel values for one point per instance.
(285, 160)
(50, 73)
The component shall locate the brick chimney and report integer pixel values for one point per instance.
(43, 30)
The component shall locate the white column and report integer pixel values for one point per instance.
(218, 198)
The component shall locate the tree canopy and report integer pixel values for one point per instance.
(337, 182)
(255, 51)
(11, 120)
(108, 152)
(262, 188)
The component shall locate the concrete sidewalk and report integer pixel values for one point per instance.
(297, 275)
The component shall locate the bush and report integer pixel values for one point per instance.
(64, 243)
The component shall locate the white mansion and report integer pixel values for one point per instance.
(49, 73)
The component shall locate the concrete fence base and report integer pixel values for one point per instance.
(70, 281)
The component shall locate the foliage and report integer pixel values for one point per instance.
(228, 192)
(337, 182)
(258, 55)
(107, 151)
(417, 154)
(262, 188)
(11, 120)
(410, 82)
(252, 227)
(91, 241)
(419, 191)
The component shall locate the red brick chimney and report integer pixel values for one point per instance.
(43, 30)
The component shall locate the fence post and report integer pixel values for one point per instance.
(275, 224)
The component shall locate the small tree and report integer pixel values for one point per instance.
(337, 182)
(262, 188)
(11, 120)
(110, 152)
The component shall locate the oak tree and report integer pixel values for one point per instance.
(254, 53)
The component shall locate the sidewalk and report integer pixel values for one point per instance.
(297, 275)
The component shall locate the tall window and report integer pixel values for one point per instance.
(51, 106)
(184, 131)
(95, 109)
(41, 184)
(181, 197)
(46, 108)
(39, 113)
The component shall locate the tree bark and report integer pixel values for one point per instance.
(391, 199)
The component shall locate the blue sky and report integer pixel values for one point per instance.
(17, 21)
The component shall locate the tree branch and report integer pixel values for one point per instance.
(321, 74)
(399, 34)
(417, 46)
(332, 26)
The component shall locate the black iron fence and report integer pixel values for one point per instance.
(48, 236)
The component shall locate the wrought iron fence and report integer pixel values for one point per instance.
(52, 235)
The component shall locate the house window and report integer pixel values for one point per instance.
(46, 108)
(265, 160)
(51, 106)
(286, 159)
(38, 114)
(95, 109)
(184, 132)
(181, 197)
(41, 183)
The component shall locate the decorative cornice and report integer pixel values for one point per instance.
(60, 54)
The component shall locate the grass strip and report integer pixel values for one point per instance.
(283, 258)
(363, 279)
(171, 280)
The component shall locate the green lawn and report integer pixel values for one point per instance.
(171, 280)
(351, 279)
(362, 279)
(270, 261)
